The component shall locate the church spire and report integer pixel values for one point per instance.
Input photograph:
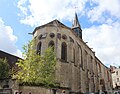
(76, 26)
(76, 22)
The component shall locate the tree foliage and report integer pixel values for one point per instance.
(4, 68)
(37, 69)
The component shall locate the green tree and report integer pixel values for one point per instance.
(37, 69)
(4, 68)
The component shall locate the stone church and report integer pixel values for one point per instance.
(78, 70)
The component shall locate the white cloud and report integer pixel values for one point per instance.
(103, 7)
(103, 37)
(37, 12)
(8, 40)
(42, 11)
(105, 42)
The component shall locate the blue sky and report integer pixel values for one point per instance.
(99, 19)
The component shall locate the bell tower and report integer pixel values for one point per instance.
(76, 26)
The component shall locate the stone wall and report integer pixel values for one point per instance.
(34, 90)
(41, 90)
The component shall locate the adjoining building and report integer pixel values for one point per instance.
(7, 84)
(78, 70)
(115, 72)
(11, 59)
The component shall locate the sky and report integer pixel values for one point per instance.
(99, 20)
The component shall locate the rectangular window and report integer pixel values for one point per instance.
(117, 79)
(116, 72)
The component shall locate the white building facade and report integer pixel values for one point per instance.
(115, 77)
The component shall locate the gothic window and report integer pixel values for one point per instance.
(90, 66)
(39, 48)
(99, 67)
(64, 36)
(40, 36)
(71, 40)
(58, 35)
(86, 57)
(108, 76)
(52, 35)
(64, 51)
(80, 55)
(73, 55)
(51, 44)
(85, 60)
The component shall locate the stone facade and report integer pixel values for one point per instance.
(77, 66)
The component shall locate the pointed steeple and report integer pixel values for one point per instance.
(76, 22)
(76, 26)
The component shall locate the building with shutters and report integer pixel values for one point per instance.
(115, 77)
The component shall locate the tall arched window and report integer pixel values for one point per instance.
(64, 51)
(108, 76)
(73, 55)
(39, 48)
(99, 67)
(80, 55)
(51, 44)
